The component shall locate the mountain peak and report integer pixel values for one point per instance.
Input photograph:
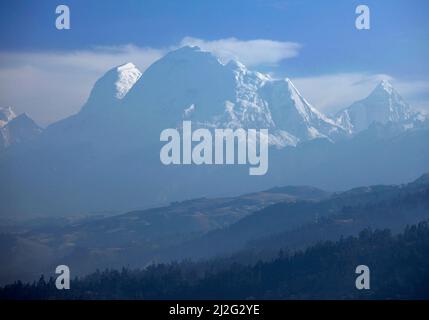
(193, 82)
(6, 115)
(127, 76)
(186, 53)
(384, 86)
(19, 129)
(23, 120)
(188, 49)
(114, 85)
(303, 105)
(384, 104)
(23, 117)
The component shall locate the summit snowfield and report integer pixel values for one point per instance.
(112, 86)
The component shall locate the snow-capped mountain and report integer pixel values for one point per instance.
(6, 115)
(383, 105)
(16, 129)
(294, 115)
(112, 86)
(192, 84)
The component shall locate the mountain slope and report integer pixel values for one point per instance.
(262, 223)
(301, 223)
(294, 115)
(113, 86)
(324, 271)
(132, 238)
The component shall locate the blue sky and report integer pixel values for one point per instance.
(313, 42)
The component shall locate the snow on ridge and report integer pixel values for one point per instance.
(128, 75)
(6, 115)
(253, 108)
(387, 86)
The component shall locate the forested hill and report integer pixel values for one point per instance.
(399, 269)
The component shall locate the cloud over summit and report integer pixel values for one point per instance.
(249, 52)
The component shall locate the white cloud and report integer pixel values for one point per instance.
(332, 92)
(99, 59)
(250, 52)
(53, 85)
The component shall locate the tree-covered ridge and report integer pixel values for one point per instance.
(399, 266)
